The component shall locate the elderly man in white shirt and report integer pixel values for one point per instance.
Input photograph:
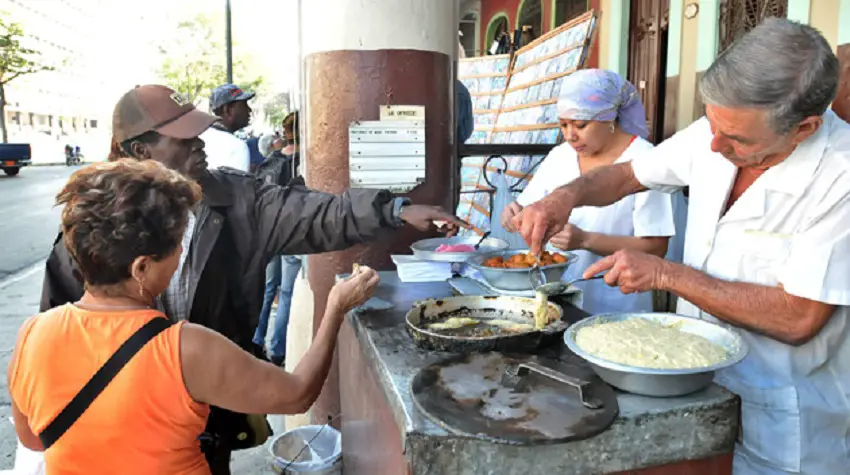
(767, 248)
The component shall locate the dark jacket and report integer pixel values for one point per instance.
(465, 119)
(280, 169)
(249, 223)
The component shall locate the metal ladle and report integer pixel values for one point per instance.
(558, 288)
(536, 275)
(483, 237)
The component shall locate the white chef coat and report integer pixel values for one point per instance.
(644, 215)
(791, 227)
(225, 150)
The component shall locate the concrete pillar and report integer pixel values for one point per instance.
(799, 10)
(299, 337)
(357, 57)
(824, 16)
(618, 36)
(709, 42)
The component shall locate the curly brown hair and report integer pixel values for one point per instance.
(118, 211)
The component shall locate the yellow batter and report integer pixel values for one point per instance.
(648, 344)
(453, 323)
(541, 310)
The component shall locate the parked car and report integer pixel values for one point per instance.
(13, 156)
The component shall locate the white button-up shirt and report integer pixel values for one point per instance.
(225, 150)
(790, 228)
(648, 214)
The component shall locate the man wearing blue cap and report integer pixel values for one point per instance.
(230, 104)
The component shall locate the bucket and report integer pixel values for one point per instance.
(315, 450)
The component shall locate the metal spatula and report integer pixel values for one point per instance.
(516, 378)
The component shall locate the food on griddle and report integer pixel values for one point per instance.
(483, 327)
(648, 344)
(525, 260)
(510, 325)
(455, 248)
(541, 310)
(453, 323)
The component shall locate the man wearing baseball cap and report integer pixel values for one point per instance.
(240, 225)
(230, 104)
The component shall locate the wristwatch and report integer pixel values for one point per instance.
(398, 205)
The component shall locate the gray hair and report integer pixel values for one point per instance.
(265, 144)
(782, 66)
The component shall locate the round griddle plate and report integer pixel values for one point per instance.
(465, 395)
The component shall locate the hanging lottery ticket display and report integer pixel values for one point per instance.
(523, 111)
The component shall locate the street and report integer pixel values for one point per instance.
(29, 226)
(30, 221)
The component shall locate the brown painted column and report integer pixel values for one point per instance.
(357, 57)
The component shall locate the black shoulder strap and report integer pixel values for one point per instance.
(100, 380)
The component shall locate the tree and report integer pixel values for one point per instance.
(276, 109)
(15, 61)
(193, 61)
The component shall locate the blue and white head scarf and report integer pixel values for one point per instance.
(602, 95)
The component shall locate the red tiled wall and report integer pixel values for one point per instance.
(489, 8)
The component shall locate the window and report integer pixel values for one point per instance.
(566, 10)
(531, 14)
(498, 25)
(740, 16)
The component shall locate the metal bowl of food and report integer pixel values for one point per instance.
(518, 278)
(456, 249)
(657, 381)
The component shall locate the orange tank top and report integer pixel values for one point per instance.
(145, 421)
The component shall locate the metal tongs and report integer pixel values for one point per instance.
(516, 378)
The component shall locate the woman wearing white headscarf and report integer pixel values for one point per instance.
(603, 122)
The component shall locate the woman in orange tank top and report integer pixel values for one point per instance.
(124, 223)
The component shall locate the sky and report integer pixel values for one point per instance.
(265, 29)
(102, 48)
(268, 29)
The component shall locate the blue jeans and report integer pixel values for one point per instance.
(280, 275)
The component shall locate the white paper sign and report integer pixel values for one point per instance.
(396, 113)
(387, 154)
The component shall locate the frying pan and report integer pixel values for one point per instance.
(482, 337)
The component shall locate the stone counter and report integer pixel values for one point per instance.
(383, 433)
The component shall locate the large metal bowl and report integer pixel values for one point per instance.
(426, 249)
(516, 279)
(660, 382)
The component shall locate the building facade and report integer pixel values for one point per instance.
(663, 46)
(97, 52)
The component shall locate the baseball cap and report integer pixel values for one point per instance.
(226, 94)
(154, 107)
